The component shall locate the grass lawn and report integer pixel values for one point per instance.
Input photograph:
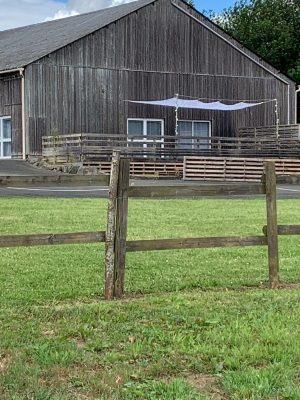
(195, 324)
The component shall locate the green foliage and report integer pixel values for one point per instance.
(56, 136)
(268, 27)
(191, 2)
(295, 72)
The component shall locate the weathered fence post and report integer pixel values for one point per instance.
(121, 227)
(111, 227)
(272, 228)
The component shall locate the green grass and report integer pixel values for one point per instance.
(195, 324)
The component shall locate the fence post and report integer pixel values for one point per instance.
(111, 227)
(121, 227)
(272, 228)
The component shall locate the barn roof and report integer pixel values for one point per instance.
(22, 46)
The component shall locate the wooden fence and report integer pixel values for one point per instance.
(271, 132)
(234, 169)
(115, 237)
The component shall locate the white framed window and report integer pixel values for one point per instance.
(145, 133)
(194, 134)
(5, 137)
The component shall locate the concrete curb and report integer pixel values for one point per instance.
(54, 180)
(289, 179)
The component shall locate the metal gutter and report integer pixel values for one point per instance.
(23, 113)
(296, 105)
(9, 71)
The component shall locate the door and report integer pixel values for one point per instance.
(5, 137)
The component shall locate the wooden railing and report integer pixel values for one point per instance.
(235, 169)
(90, 148)
(282, 132)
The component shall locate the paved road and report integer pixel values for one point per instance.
(22, 168)
(284, 191)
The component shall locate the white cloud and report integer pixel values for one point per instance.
(92, 5)
(63, 13)
(25, 12)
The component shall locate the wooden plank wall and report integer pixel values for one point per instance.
(11, 106)
(234, 169)
(265, 132)
(150, 54)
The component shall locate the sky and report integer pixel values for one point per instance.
(16, 13)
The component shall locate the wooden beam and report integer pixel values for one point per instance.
(272, 229)
(196, 190)
(111, 227)
(40, 180)
(121, 227)
(285, 230)
(51, 239)
(191, 243)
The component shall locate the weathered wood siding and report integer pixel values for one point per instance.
(150, 54)
(11, 106)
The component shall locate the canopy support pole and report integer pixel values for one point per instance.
(176, 115)
(277, 118)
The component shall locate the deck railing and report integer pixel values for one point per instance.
(88, 147)
(282, 132)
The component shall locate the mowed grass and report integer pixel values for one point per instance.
(195, 324)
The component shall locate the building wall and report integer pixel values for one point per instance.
(153, 53)
(11, 106)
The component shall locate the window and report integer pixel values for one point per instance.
(194, 134)
(5, 137)
(145, 133)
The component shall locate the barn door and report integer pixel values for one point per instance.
(5, 137)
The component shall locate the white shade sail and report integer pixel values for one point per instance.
(196, 104)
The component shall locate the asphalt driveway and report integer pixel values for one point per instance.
(22, 168)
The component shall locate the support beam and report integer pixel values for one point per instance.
(121, 227)
(111, 227)
(272, 228)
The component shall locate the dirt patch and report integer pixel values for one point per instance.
(5, 360)
(79, 341)
(289, 286)
(48, 333)
(207, 385)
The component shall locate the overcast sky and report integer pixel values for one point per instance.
(24, 12)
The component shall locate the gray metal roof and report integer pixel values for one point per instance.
(22, 46)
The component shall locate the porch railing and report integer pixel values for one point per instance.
(282, 131)
(92, 146)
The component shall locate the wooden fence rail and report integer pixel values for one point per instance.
(193, 243)
(51, 239)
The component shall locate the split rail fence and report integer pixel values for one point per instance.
(115, 237)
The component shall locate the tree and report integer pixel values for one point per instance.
(191, 3)
(271, 28)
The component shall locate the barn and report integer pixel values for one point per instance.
(75, 75)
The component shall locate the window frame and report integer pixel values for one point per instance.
(4, 140)
(194, 143)
(145, 139)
